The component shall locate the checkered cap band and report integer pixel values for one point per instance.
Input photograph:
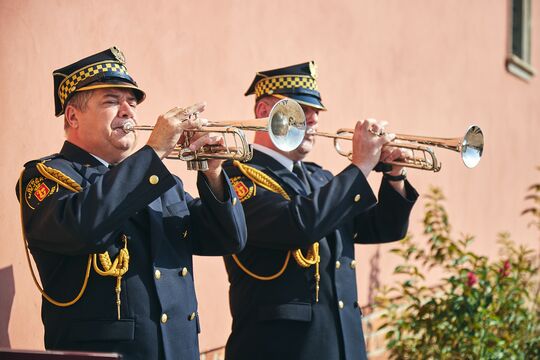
(70, 84)
(269, 85)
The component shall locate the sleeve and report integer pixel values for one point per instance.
(218, 227)
(274, 222)
(389, 220)
(62, 221)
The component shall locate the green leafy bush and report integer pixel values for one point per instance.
(483, 309)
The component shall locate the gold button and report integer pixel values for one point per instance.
(234, 201)
(357, 198)
(185, 234)
(353, 264)
(184, 271)
(192, 316)
(164, 318)
(338, 264)
(157, 274)
(355, 235)
(154, 179)
(341, 304)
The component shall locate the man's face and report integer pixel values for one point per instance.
(100, 126)
(312, 122)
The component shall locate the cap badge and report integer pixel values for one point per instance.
(119, 55)
(313, 69)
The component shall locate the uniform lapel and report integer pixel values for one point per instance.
(317, 179)
(279, 173)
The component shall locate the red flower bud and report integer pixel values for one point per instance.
(471, 279)
(505, 270)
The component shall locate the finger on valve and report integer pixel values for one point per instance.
(205, 140)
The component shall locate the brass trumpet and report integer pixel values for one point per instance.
(470, 146)
(286, 125)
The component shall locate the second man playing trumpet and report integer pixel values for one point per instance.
(293, 288)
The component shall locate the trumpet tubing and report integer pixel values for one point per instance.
(470, 146)
(286, 125)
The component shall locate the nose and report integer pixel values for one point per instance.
(126, 110)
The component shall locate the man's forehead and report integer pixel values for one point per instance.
(116, 92)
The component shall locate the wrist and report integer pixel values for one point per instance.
(399, 177)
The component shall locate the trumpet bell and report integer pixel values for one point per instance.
(472, 146)
(286, 125)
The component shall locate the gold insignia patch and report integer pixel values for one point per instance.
(243, 187)
(37, 190)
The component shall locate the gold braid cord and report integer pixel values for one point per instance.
(117, 269)
(122, 259)
(312, 258)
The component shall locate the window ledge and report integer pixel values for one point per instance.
(520, 68)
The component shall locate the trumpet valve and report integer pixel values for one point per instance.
(197, 165)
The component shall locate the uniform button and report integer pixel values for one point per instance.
(154, 179)
(234, 200)
(357, 198)
(355, 235)
(184, 271)
(353, 264)
(185, 234)
(341, 304)
(338, 264)
(164, 318)
(192, 316)
(157, 274)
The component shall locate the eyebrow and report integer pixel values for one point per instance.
(116, 95)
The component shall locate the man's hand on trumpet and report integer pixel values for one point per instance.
(390, 153)
(367, 142)
(214, 174)
(171, 125)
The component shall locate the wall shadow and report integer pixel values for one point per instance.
(7, 293)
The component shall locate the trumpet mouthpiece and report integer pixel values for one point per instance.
(127, 127)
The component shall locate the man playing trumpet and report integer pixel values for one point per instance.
(293, 288)
(111, 230)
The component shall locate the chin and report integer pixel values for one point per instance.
(306, 147)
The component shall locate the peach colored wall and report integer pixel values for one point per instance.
(428, 67)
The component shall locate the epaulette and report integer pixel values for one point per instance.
(260, 178)
(58, 177)
(43, 159)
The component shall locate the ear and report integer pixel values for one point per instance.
(262, 109)
(71, 116)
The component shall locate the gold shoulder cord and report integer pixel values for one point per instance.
(312, 258)
(117, 269)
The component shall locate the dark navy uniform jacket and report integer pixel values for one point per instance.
(280, 319)
(164, 225)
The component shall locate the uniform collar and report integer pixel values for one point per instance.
(74, 153)
(282, 159)
(279, 172)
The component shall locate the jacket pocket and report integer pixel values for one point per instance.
(102, 330)
(291, 311)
